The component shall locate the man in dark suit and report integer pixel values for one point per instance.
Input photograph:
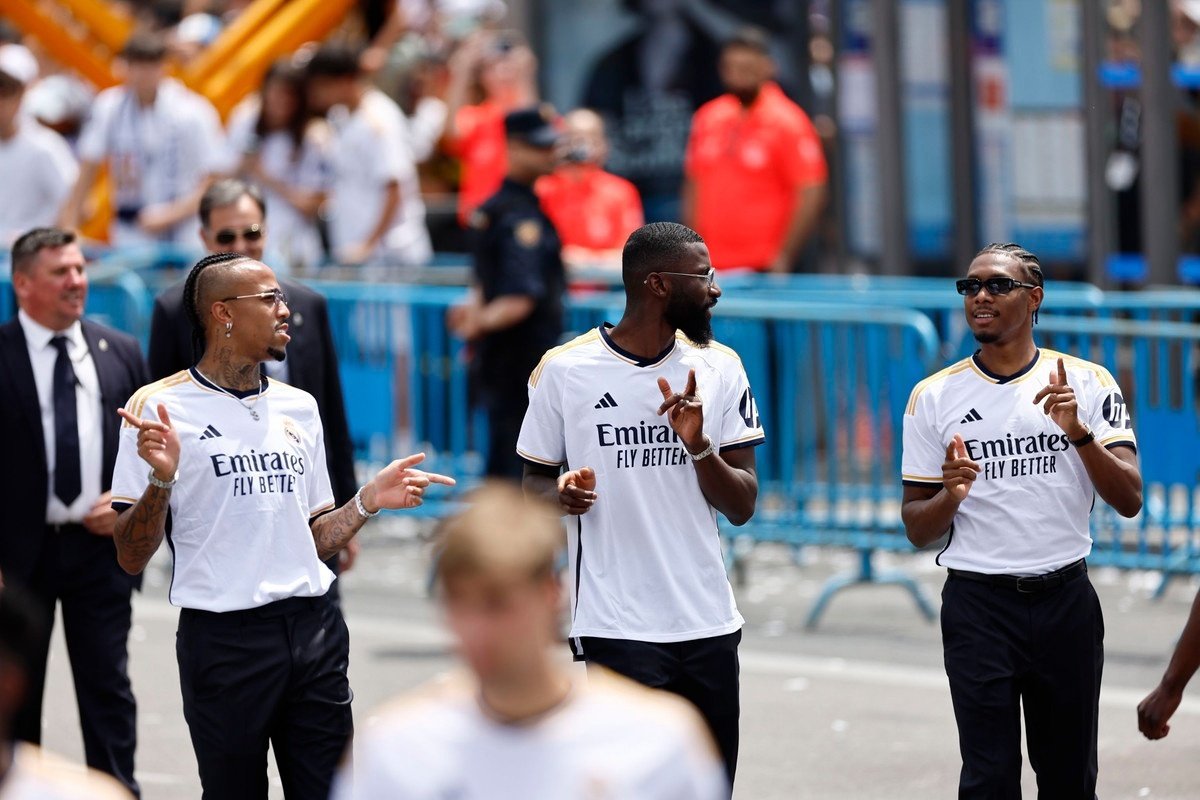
(62, 380)
(233, 220)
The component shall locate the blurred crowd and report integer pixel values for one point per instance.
(377, 146)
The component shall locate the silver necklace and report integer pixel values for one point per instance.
(241, 402)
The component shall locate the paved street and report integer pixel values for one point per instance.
(857, 709)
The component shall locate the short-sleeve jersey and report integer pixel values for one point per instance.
(746, 165)
(157, 153)
(646, 558)
(246, 491)
(609, 739)
(1027, 511)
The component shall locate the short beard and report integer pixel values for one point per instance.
(690, 319)
(276, 353)
(987, 337)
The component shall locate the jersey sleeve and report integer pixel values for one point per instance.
(320, 490)
(741, 425)
(543, 435)
(924, 454)
(1107, 414)
(130, 472)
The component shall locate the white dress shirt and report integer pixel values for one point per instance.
(43, 356)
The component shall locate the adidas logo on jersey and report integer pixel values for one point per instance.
(606, 402)
(972, 416)
(210, 433)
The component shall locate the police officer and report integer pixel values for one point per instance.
(514, 313)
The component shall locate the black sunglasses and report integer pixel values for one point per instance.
(227, 236)
(969, 287)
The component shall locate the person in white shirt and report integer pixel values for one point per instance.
(274, 143)
(62, 379)
(520, 723)
(659, 426)
(375, 211)
(26, 771)
(36, 162)
(160, 141)
(1006, 451)
(262, 649)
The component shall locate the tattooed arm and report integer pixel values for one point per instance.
(397, 486)
(140, 529)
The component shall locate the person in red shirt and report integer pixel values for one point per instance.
(505, 69)
(754, 173)
(593, 211)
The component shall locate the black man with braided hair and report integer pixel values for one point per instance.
(237, 473)
(1006, 451)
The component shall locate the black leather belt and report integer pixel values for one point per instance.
(1027, 584)
(63, 527)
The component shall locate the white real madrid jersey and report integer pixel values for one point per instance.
(1027, 511)
(609, 740)
(646, 558)
(245, 493)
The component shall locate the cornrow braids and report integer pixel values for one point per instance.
(1028, 261)
(191, 296)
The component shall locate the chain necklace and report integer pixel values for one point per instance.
(241, 402)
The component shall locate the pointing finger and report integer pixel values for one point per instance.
(960, 447)
(1062, 372)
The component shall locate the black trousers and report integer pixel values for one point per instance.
(79, 570)
(1043, 651)
(702, 671)
(273, 674)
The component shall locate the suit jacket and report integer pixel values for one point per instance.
(311, 359)
(24, 477)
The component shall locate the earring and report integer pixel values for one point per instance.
(228, 329)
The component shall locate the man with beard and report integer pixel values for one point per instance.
(514, 312)
(1010, 467)
(649, 412)
(755, 172)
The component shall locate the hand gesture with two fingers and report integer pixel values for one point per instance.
(958, 471)
(400, 486)
(157, 442)
(684, 411)
(1060, 403)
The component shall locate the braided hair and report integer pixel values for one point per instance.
(191, 296)
(1028, 261)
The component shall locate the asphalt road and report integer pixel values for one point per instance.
(858, 708)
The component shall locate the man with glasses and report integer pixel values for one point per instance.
(1005, 452)
(233, 220)
(656, 426)
(514, 313)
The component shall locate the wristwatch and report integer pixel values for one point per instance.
(705, 453)
(163, 484)
(1087, 438)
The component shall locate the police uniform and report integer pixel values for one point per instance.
(1021, 623)
(517, 252)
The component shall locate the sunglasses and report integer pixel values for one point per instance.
(272, 297)
(227, 236)
(710, 277)
(969, 287)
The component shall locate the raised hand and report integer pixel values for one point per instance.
(684, 411)
(1060, 403)
(399, 486)
(577, 490)
(958, 471)
(157, 442)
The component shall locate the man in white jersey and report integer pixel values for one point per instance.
(262, 649)
(1006, 451)
(36, 162)
(26, 771)
(376, 214)
(522, 725)
(160, 141)
(647, 413)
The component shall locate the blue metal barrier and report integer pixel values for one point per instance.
(117, 298)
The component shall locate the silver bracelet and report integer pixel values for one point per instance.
(358, 503)
(705, 453)
(163, 484)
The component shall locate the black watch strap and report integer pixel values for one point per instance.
(1087, 438)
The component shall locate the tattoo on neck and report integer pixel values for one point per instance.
(232, 371)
